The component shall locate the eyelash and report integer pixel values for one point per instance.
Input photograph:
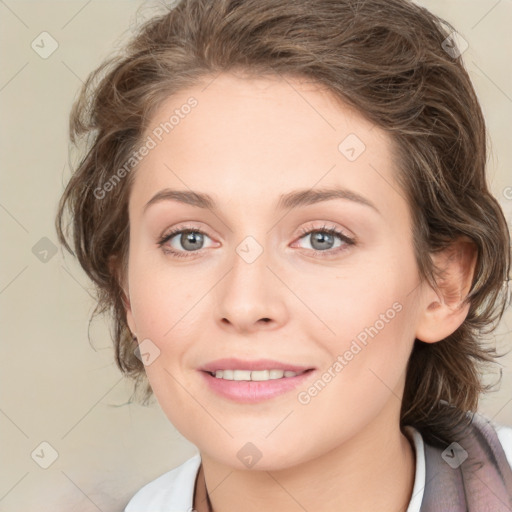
(182, 229)
(304, 232)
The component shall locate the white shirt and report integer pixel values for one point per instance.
(174, 491)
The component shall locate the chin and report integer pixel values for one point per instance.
(256, 454)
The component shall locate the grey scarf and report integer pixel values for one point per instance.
(471, 475)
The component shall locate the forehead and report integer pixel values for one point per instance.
(252, 139)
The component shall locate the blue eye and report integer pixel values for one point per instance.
(322, 239)
(192, 239)
(189, 239)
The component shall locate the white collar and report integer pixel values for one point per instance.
(174, 491)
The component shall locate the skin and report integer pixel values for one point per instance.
(247, 142)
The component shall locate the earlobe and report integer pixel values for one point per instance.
(125, 297)
(125, 293)
(128, 309)
(445, 309)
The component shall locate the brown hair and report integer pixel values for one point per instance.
(385, 58)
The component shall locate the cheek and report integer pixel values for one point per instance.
(361, 298)
(369, 315)
(160, 296)
(365, 370)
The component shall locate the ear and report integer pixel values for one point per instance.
(125, 292)
(444, 309)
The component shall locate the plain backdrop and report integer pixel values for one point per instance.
(56, 388)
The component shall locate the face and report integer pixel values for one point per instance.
(302, 256)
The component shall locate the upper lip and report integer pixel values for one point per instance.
(260, 364)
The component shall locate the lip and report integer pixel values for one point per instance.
(251, 392)
(260, 364)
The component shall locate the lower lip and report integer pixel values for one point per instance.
(250, 392)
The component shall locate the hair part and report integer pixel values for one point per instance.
(384, 58)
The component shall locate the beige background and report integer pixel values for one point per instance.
(55, 387)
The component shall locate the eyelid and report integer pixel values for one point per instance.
(304, 232)
(175, 231)
(347, 240)
(326, 227)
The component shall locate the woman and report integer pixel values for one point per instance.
(284, 205)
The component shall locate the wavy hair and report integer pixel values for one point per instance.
(386, 59)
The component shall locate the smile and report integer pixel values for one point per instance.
(255, 386)
(256, 375)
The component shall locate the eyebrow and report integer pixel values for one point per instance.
(289, 201)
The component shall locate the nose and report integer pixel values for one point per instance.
(251, 297)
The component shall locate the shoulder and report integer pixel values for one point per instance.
(505, 436)
(486, 444)
(492, 440)
(172, 491)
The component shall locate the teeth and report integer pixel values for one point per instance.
(241, 375)
(256, 375)
(264, 374)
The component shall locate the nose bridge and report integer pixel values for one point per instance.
(249, 266)
(247, 295)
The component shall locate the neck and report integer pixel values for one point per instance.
(373, 470)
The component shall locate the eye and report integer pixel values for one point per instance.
(187, 240)
(324, 239)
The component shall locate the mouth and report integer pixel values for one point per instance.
(255, 375)
(253, 381)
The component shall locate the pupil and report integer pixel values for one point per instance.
(191, 237)
(322, 238)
